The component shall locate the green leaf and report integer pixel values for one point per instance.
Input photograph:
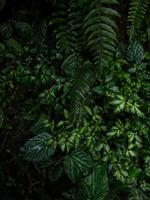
(39, 31)
(14, 45)
(23, 29)
(99, 90)
(134, 172)
(82, 81)
(40, 147)
(119, 102)
(77, 164)
(100, 33)
(137, 194)
(96, 184)
(88, 110)
(135, 52)
(136, 15)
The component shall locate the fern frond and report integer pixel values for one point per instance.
(39, 31)
(136, 14)
(100, 33)
(70, 64)
(81, 77)
(63, 19)
(82, 82)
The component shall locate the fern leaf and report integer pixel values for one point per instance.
(39, 31)
(82, 82)
(66, 34)
(82, 79)
(70, 64)
(136, 14)
(100, 33)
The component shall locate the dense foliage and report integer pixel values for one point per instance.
(74, 99)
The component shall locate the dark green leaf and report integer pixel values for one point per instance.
(77, 164)
(135, 52)
(96, 184)
(40, 148)
(15, 45)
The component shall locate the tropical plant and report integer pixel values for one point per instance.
(74, 99)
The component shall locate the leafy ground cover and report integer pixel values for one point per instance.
(74, 100)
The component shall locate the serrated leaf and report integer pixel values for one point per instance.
(96, 184)
(77, 164)
(135, 52)
(40, 147)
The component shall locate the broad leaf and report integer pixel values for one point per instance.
(96, 184)
(135, 52)
(40, 147)
(77, 164)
